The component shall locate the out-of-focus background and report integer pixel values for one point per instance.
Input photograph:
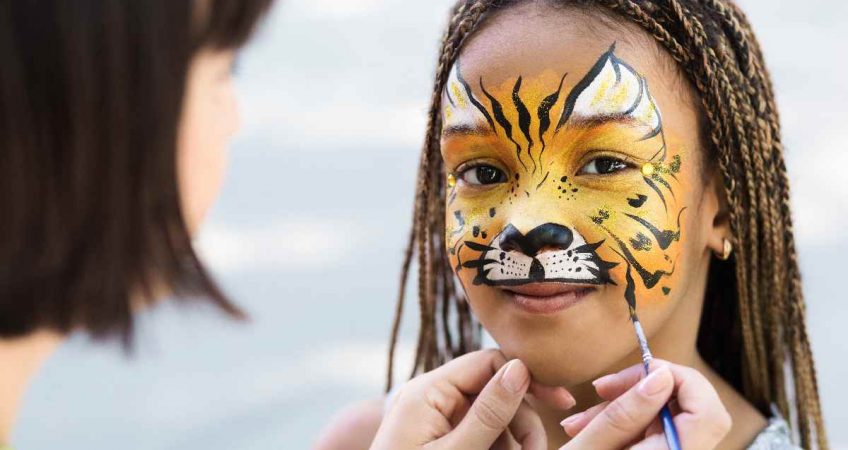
(308, 236)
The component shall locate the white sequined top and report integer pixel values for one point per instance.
(775, 436)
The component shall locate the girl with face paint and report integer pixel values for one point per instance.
(587, 162)
(115, 118)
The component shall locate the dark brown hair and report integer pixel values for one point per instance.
(753, 323)
(90, 102)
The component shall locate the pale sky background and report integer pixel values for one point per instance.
(309, 232)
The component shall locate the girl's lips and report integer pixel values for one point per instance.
(547, 298)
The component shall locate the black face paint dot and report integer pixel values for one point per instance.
(574, 190)
(666, 290)
(574, 259)
(578, 269)
(569, 253)
(476, 231)
(502, 255)
(483, 234)
(516, 177)
(563, 179)
(491, 212)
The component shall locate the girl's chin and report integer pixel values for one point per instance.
(561, 368)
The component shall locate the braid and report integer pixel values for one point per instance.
(756, 296)
(428, 207)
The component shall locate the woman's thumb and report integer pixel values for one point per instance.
(492, 410)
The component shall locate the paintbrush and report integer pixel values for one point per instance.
(669, 429)
(665, 413)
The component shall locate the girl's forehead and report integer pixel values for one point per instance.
(529, 38)
(505, 59)
(534, 42)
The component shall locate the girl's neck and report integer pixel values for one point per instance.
(20, 359)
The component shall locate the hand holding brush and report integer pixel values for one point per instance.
(632, 404)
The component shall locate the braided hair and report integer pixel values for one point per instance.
(713, 44)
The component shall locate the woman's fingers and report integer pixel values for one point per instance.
(526, 428)
(609, 387)
(447, 388)
(626, 418)
(492, 411)
(575, 423)
(470, 372)
(555, 396)
(652, 442)
(703, 420)
(700, 417)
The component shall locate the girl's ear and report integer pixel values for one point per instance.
(717, 208)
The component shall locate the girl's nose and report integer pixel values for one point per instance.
(550, 236)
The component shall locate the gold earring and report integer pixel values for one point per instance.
(726, 251)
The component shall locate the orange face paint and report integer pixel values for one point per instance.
(558, 179)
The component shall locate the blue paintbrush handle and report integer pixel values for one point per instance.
(670, 430)
(665, 414)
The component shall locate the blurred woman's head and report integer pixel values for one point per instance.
(114, 123)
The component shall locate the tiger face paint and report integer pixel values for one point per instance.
(567, 199)
(581, 173)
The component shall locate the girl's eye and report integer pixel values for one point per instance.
(603, 165)
(482, 175)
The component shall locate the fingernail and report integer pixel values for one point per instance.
(570, 420)
(654, 383)
(569, 401)
(603, 380)
(515, 376)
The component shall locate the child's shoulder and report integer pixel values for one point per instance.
(354, 427)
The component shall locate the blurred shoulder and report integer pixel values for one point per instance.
(354, 427)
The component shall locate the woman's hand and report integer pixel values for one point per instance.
(471, 401)
(467, 404)
(628, 417)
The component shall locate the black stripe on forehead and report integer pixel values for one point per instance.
(473, 99)
(497, 109)
(449, 96)
(523, 115)
(642, 87)
(581, 86)
(544, 113)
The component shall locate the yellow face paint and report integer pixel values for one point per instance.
(559, 180)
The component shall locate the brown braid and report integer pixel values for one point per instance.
(713, 44)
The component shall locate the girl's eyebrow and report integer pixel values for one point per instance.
(465, 130)
(597, 120)
(594, 121)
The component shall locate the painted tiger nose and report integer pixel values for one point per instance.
(550, 236)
